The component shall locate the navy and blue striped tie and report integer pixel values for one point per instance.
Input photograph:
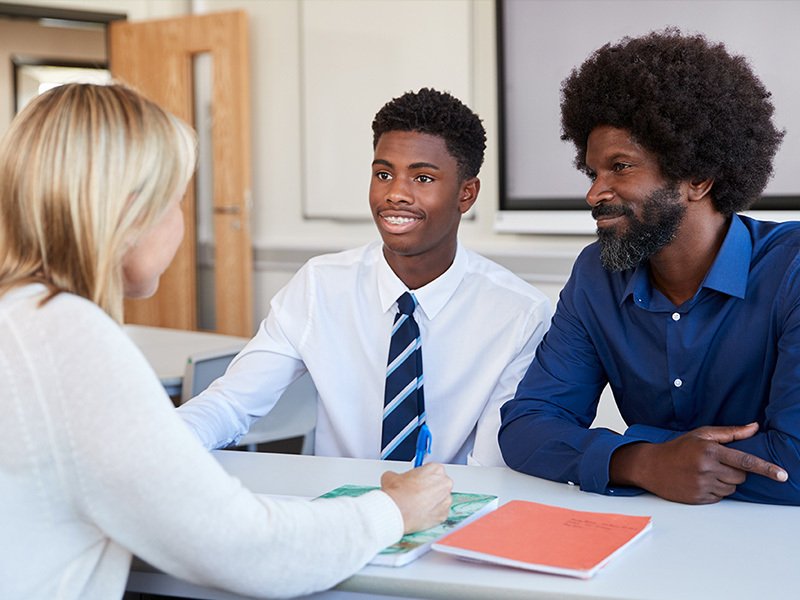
(404, 401)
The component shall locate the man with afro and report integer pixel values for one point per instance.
(688, 310)
(478, 324)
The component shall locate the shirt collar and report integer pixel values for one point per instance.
(731, 268)
(728, 273)
(638, 286)
(431, 297)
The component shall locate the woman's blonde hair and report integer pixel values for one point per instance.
(84, 170)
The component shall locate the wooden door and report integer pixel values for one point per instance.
(156, 58)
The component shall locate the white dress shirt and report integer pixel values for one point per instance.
(479, 325)
(95, 465)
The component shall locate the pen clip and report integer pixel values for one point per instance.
(423, 444)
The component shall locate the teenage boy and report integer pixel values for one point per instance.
(470, 327)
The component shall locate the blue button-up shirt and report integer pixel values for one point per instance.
(730, 355)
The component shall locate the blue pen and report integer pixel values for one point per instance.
(424, 435)
(423, 445)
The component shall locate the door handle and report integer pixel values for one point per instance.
(227, 210)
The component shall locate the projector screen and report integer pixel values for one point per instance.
(541, 41)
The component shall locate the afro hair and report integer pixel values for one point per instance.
(700, 110)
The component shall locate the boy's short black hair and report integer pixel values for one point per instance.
(440, 114)
(702, 111)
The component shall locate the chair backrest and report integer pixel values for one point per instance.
(203, 368)
(294, 415)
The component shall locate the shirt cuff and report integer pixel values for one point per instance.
(595, 464)
(648, 433)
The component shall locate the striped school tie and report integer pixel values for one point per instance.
(404, 402)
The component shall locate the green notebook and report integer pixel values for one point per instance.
(463, 509)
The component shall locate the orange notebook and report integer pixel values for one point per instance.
(551, 539)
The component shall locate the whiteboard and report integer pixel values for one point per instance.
(356, 55)
(543, 40)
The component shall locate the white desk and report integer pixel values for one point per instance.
(167, 349)
(730, 550)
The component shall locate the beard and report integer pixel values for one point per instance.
(662, 214)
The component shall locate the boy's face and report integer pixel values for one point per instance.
(417, 197)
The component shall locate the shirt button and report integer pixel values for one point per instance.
(676, 316)
(677, 383)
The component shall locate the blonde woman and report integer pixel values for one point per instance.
(94, 463)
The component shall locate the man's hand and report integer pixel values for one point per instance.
(422, 495)
(695, 468)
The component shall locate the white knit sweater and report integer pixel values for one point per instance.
(95, 465)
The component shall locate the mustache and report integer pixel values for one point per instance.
(608, 210)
